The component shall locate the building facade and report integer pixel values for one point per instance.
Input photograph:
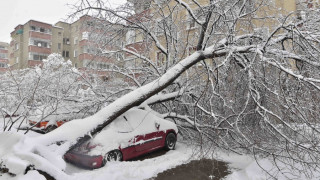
(189, 29)
(35, 41)
(4, 56)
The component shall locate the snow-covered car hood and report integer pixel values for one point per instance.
(121, 132)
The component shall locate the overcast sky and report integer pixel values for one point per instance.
(15, 12)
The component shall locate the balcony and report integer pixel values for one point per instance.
(3, 70)
(3, 56)
(137, 47)
(5, 51)
(3, 67)
(86, 56)
(42, 50)
(5, 61)
(40, 35)
(33, 63)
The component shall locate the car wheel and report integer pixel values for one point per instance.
(114, 155)
(171, 140)
(50, 128)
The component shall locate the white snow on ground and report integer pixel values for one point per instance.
(32, 175)
(134, 170)
(242, 167)
(245, 167)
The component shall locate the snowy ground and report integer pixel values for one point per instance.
(241, 167)
(134, 170)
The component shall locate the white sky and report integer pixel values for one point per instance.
(15, 12)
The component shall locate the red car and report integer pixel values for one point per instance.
(43, 125)
(134, 133)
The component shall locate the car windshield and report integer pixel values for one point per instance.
(129, 122)
(121, 125)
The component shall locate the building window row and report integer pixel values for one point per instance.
(3, 56)
(37, 56)
(96, 65)
(3, 65)
(40, 29)
(91, 50)
(3, 47)
(39, 43)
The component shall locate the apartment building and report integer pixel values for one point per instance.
(35, 40)
(4, 56)
(32, 42)
(188, 28)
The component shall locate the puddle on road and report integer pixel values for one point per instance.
(204, 169)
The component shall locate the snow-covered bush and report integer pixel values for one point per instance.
(52, 92)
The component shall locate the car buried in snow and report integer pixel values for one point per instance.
(134, 133)
(44, 126)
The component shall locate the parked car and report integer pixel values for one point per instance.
(132, 134)
(44, 127)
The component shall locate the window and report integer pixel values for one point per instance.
(85, 35)
(89, 23)
(119, 56)
(130, 36)
(160, 57)
(102, 65)
(76, 40)
(66, 41)
(3, 65)
(85, 49)
(3, 56)
(75, 54)
(59, 46)
(39, 29)
(2, 47)
(37, 56)
(39, 43)
(105, 78)
(65, 54)
(16, 46)
(59, 33)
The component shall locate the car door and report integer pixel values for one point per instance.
(151, 139)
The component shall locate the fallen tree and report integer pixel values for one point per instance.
(242, 89)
